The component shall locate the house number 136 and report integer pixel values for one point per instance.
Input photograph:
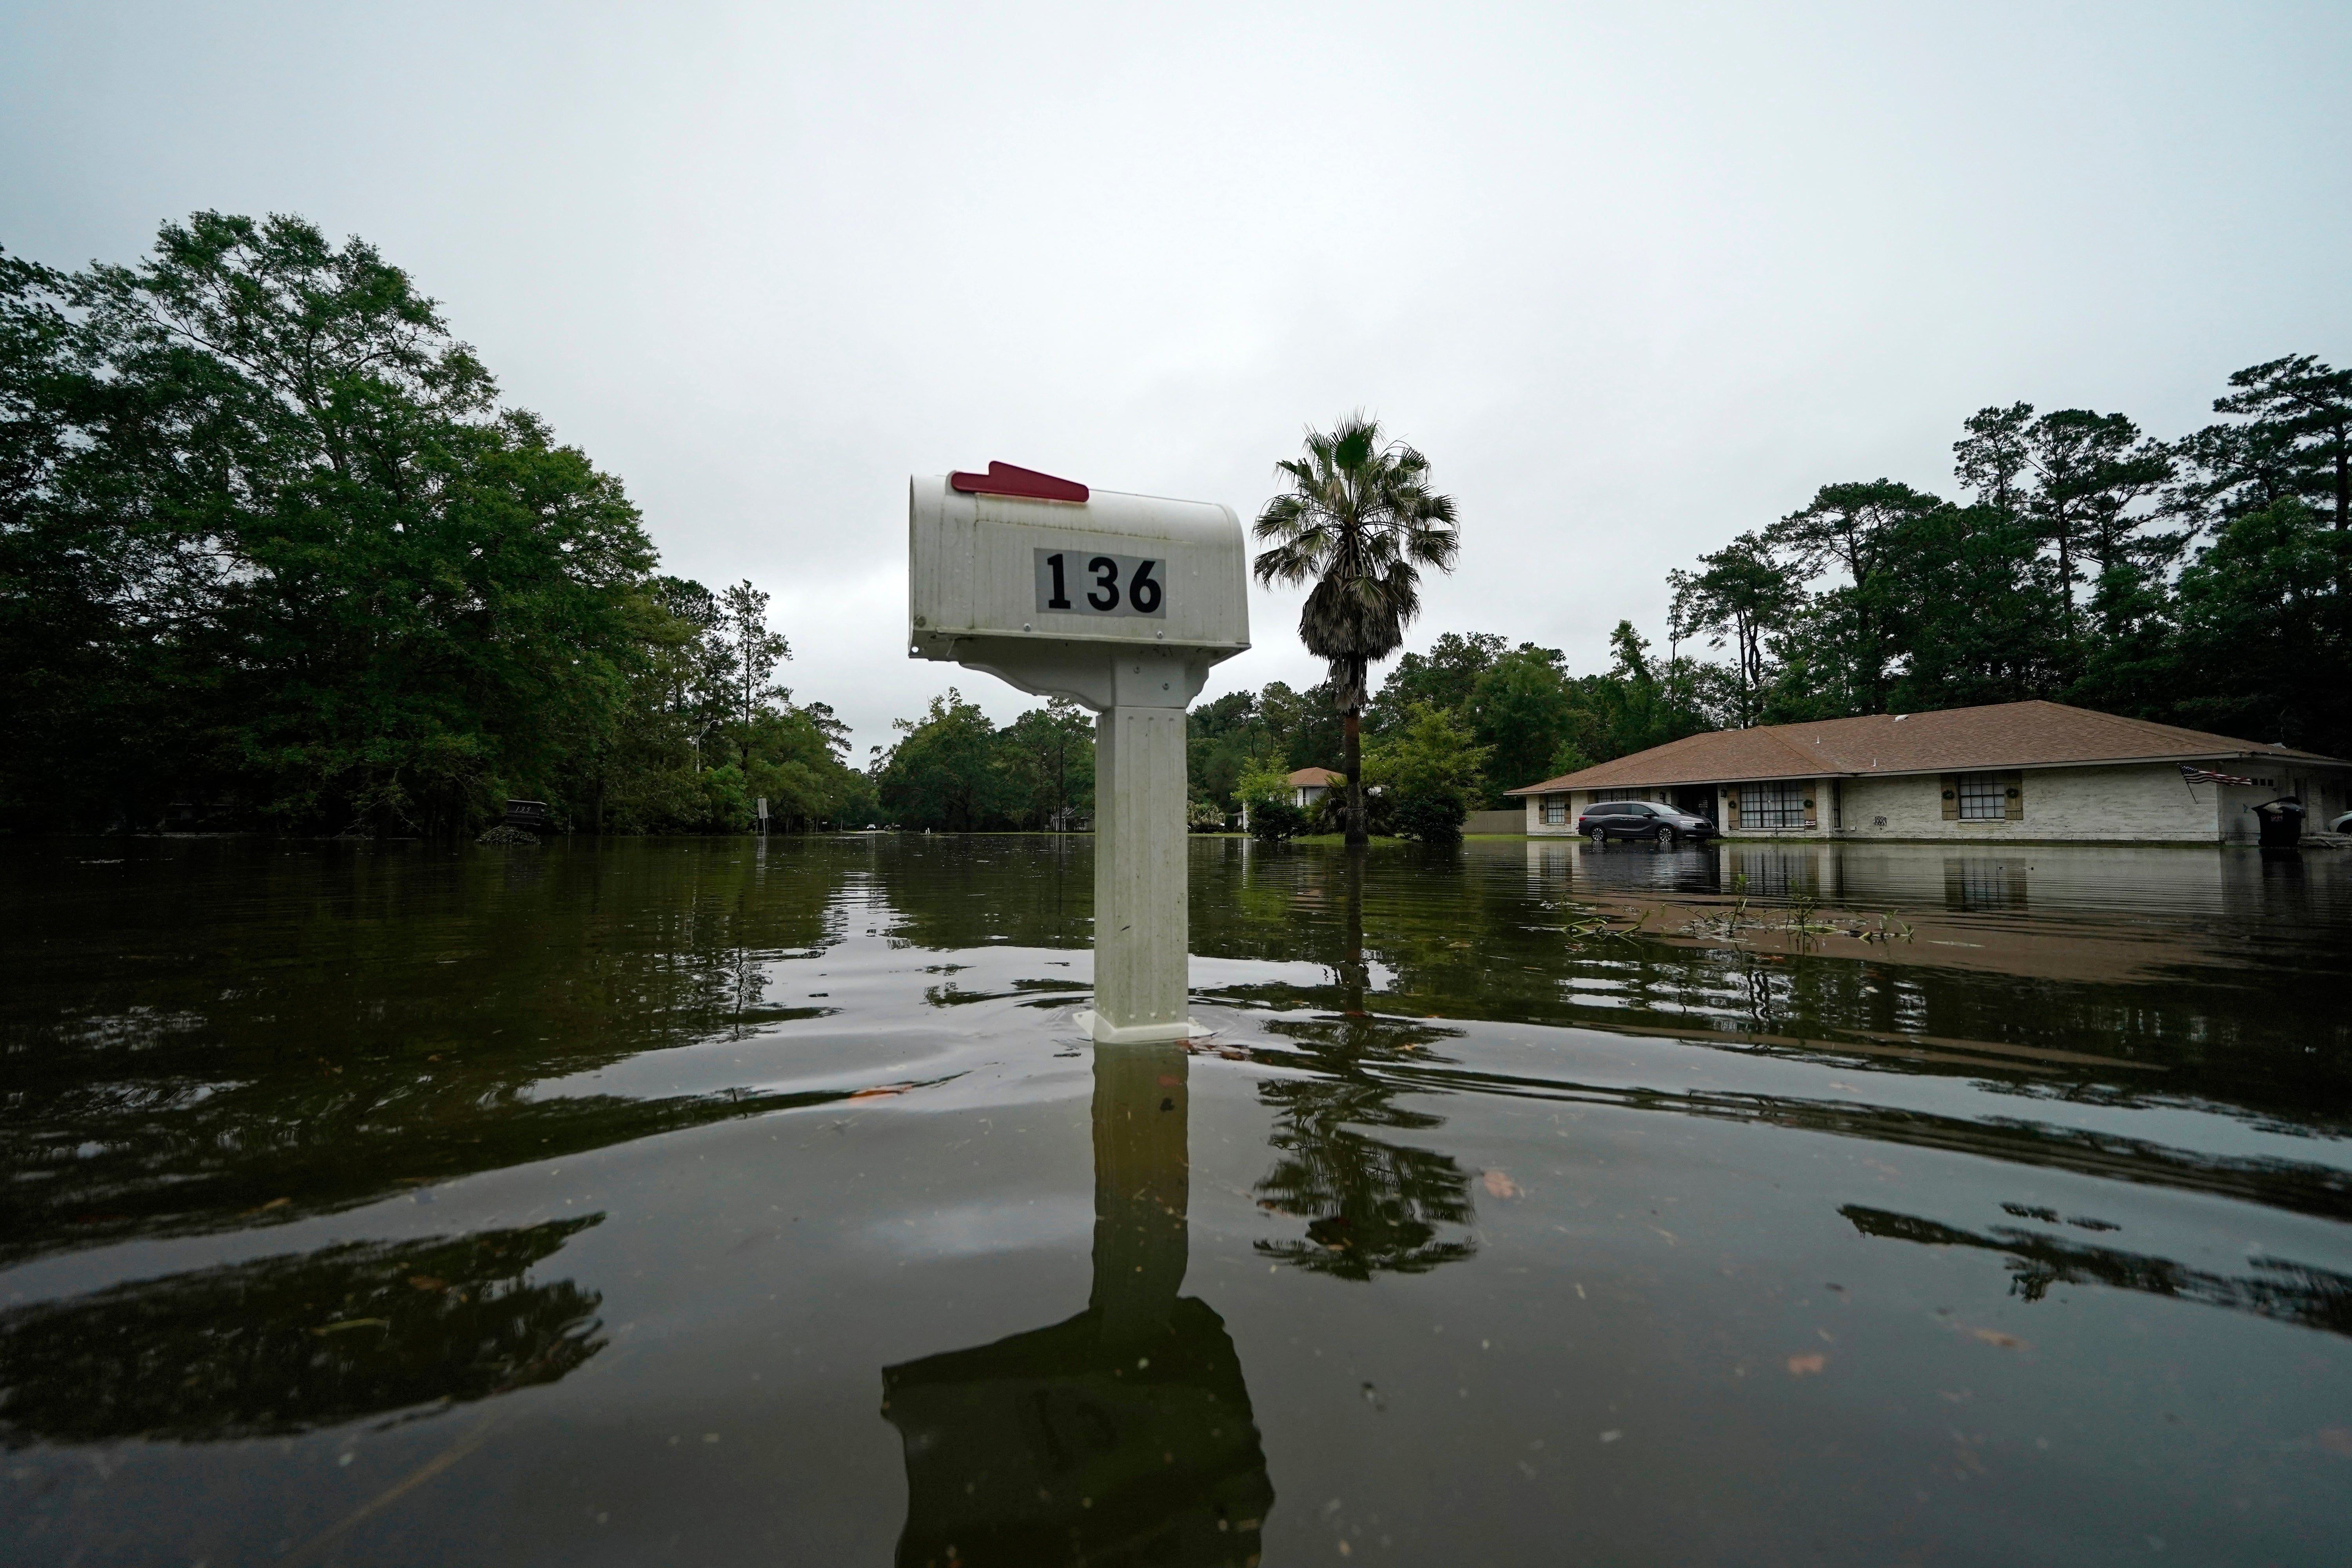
(1070, 583)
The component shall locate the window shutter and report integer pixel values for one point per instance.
(2013, 798)
(1951, 797)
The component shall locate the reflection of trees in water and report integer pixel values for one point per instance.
(1491, 939)
(1372, 1207)
(950, 891)
(287, 1344)
(2290, 1292)
(154, 1171)
(316, 1026)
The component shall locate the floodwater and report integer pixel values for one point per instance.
(725, 1201)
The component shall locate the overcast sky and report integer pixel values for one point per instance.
(1636, 279)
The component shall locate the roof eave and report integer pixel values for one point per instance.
(1576, 781)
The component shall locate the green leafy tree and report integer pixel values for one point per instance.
(269, 542)
(1741, 596)
(1221, 738)
(2089, 484)
(1993, 457)
(692, 679)
(1521, 708)
(1358, 520)
(1305, 728)
(750, 653)
(2305, 407)
(1265, 793)
(1973, 616)
(2265, 639)
(1047, 757)
(390, 600)
(942, 773)
(2133, 664)
(828, 724)
(2228, 471)
(1849, 529)
(2295, 443)
(1432, 768)
(1443, 675)
(793, 763)
(1637, 704)
(91, 606)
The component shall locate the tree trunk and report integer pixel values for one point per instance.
(2066, 577)
(2343, 483)
(1352, 756)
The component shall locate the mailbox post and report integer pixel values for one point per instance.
(1121, 603)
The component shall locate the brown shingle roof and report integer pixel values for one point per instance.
(2004, 735)
(1311, 777)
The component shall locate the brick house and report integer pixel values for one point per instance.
(2009, 771)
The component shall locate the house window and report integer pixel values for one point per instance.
(1982, 798)
(1772, 805)
(1555, 811)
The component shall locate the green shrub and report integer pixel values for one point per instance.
(1275, 820)
(1432, 819)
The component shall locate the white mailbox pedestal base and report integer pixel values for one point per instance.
(1103, 1034)
(1138, 696)
(1140, 886)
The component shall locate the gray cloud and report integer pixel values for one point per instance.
(1635, 282)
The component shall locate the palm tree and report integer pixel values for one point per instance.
(1361, 520)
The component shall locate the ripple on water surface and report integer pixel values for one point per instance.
(1534, 1202)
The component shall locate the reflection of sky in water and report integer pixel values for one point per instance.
(797, 1054)
(1011, 1224)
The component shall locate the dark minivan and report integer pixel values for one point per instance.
(1607, 819)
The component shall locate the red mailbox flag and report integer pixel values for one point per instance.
(1004, 480)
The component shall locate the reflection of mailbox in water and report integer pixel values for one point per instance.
(1123, 603)
(1055, 562)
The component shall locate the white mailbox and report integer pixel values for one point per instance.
(1122, 602)
(1037, 579)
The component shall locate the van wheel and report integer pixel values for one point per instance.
(1666, 838)
(1599, 838)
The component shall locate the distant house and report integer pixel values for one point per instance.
(2013, 770)
(1308, 786)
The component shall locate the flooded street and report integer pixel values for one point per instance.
(725, 1201)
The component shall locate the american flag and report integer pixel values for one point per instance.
(2205, 775)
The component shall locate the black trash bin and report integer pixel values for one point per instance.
(2282, 822)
